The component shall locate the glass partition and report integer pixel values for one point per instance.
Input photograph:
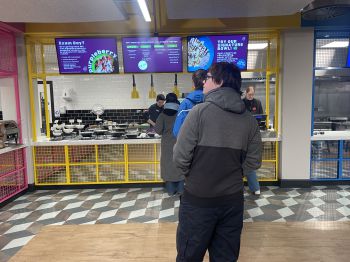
(331, 95)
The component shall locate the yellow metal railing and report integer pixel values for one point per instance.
(129, 167)
(78, 169)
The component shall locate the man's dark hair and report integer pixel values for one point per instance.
(228, 73)
(198, 77)
(160, 97)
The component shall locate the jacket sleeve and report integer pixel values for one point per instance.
(253, 157)
(261, 110)
(186, 143)
(159, 127)
(180, 118)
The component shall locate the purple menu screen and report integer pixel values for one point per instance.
(87, 55)
(152, 54)
(205, 50)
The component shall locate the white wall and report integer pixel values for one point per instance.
(113, 91)
(25, 104)
(296, 103)
(8, 100)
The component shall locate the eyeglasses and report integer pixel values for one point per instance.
(207, 77)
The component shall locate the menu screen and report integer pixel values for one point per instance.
(205, 50)
(87, 55)
(152, 54)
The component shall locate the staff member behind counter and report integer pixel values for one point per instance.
(253, 105)
(154, 110)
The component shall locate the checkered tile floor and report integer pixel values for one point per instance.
(23, 218)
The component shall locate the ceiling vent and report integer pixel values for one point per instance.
(319, 10)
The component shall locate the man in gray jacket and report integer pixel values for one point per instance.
(219, 139)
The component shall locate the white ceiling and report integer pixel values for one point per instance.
(69, 11)
(59, 11)
(185, 9)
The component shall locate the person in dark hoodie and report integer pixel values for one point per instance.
(174, 181)
(192, 99)
(219, 139)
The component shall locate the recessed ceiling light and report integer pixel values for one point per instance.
(257, 46)
(144, 10)
(336, 44)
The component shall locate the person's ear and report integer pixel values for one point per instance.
(220, 84)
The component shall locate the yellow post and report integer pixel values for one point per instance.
(31, 93)
(276, 145)
(96, 159)
(267, 90)
(35, 171)
(47, 116)
(66, 154)
(155, 161)
(126, 163)
(277, 84)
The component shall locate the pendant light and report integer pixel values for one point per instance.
(152, 93)
(176, 89)
(134, 92)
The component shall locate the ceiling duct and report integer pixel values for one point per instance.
(319, 10)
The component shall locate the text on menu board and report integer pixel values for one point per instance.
(94, 55)
(153, 54)
(205, 50)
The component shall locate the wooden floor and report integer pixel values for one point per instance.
(261, 241)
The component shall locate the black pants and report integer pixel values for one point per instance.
(217, 230)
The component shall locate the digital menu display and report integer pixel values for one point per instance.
(87, 55)
(152, 54)
(205, 50)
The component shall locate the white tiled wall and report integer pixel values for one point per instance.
(113, 91)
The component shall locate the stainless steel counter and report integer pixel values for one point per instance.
(11, 148)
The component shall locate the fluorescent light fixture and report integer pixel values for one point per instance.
(144, 10)
(336, 44)
(257, 46)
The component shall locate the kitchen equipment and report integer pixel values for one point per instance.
(131, 136)
(98, 110)
(100, 133)
(119, 129)
(133, 125)
(324, 126)
(116, 133)
(151, 135)
(57, 133)
(12, 130)
(68, 130)
(337, 123)
(261, 121)
(124, 125)
(338, 119)
(86, 134)
(79, 127)
(3, 136)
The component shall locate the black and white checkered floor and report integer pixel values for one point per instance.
(21, 219)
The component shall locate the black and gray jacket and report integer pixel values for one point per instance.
(219, 139)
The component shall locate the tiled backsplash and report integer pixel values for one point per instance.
(115, 115)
